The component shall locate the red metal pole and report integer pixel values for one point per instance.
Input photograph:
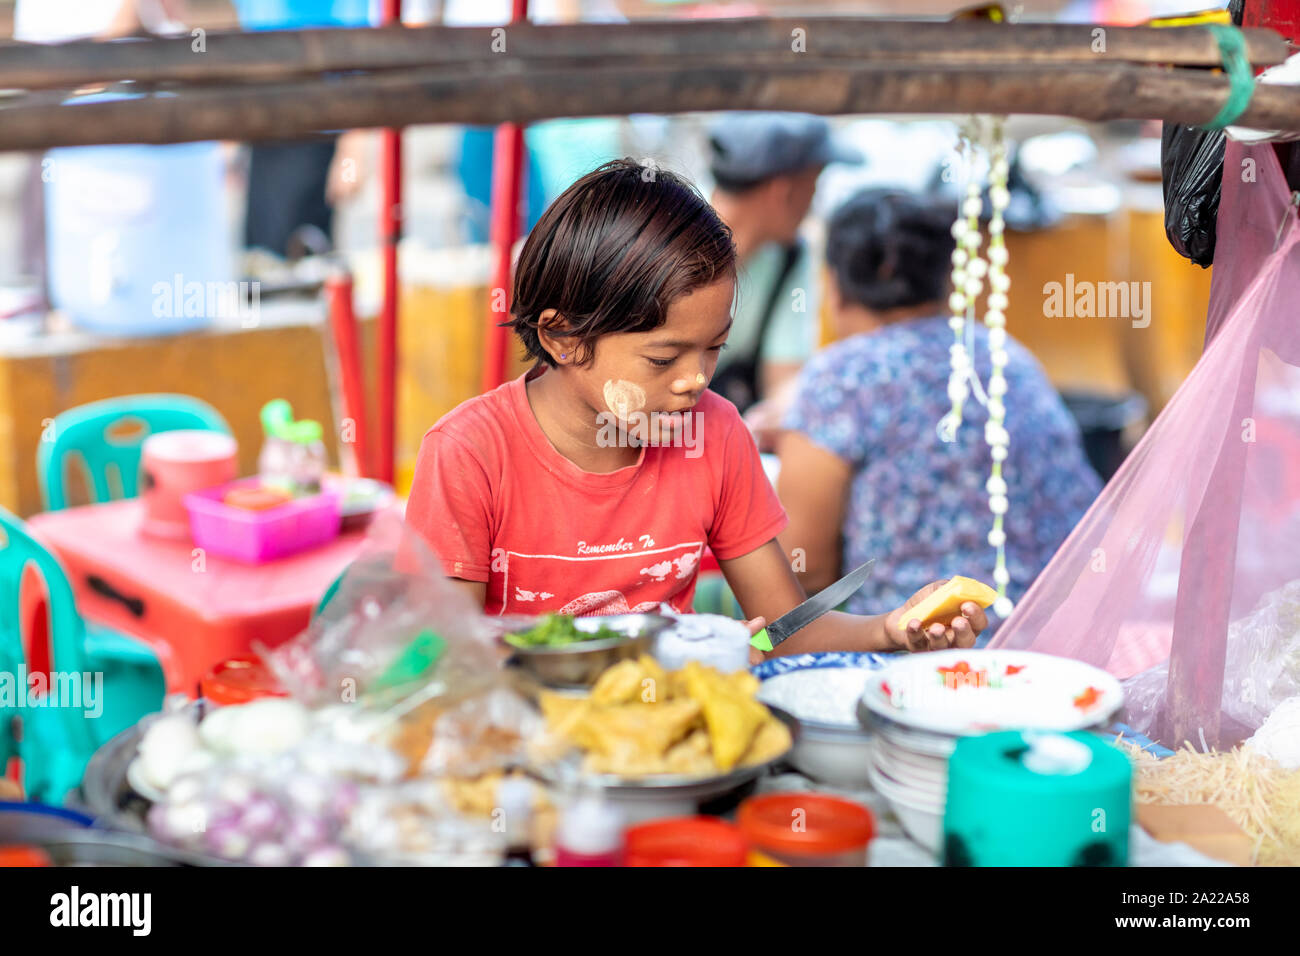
(343, 323)
(507, 177)
(390, 231)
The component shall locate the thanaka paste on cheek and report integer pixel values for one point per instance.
(623, 398)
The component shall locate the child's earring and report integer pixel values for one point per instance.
(563, 356)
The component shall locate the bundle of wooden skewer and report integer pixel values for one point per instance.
(251, 86)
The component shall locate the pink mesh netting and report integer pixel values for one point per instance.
(1184, 576)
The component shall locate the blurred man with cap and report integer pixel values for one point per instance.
(765, 168)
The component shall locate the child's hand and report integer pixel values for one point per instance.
(755, 625)
(961, 631)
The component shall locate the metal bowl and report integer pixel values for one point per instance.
(577, 666)
(664, 795)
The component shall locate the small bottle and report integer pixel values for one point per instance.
(307, 457)
(590, 833)
(274, 461)
(515, 799)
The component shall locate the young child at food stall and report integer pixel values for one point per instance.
(593, 483)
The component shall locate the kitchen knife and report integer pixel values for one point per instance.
(811, 609)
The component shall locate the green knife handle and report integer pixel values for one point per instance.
(761, 640)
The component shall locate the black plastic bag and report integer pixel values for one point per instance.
(1191, 173)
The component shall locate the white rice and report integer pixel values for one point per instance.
(826, 695)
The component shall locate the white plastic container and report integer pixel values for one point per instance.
(137, 237)
(712, 639)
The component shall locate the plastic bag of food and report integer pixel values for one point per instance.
(457, 735)
(1191, 174)
(395, 625)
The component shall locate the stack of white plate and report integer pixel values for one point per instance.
(922, 704)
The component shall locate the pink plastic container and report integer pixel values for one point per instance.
(255, 537)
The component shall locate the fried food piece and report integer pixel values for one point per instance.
(648, 729)
(732, 718)
(691, 756)
(562, 711)
(618, 685)
(772, 739)
(659, 687)
(743, 682)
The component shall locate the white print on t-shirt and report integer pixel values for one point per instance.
(619, 545)
(614, 582)
(685, 566)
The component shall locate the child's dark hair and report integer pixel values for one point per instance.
(611, 254)
(889, 250)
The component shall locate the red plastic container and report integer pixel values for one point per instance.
(688, 841)
(239, 680)
(807, 829)
(256, 537)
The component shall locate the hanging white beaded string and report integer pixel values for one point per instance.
(995, 431)
(967, 282)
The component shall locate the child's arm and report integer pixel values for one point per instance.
(475, 589)
(766, 587)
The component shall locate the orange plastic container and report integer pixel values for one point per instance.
(686, 841)
(239, 680)
(807, 829)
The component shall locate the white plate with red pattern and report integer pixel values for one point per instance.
(961, 692)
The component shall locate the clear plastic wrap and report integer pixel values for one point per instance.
(394, 625)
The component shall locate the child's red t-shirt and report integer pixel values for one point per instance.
(498, 503)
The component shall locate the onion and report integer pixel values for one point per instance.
(269, 854)
(184, 821)
(309, 792)
(306, 831)
(236, 788)
(261, 818)
(345, 798)
(327, 856)
(185, 789)
(227, 841)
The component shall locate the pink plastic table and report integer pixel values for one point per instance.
(195, 610)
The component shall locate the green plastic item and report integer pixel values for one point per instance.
(57, 742)
(761, 640)
(276, 416)
(278, 422)
(304, 431)
(414, 662)
(112, 463)
(1024, 798)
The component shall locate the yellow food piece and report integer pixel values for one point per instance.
(639, 720)
(618, 685)
(563, 712)
(631, 680)
(732, 717)
(945, 602)
(691, 755)
(772, 740)
(649, 728)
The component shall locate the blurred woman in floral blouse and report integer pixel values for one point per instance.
(864, 473)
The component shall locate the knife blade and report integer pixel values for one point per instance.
(813, 608)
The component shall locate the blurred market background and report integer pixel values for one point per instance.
(1086, 202)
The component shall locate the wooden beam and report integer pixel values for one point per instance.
(524, 93)
(262, 56)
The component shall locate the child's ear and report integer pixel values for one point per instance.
(550, 332)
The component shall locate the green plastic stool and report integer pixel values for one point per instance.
(57, 742)
(112, 464)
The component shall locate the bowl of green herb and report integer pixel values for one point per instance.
(562, 651)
